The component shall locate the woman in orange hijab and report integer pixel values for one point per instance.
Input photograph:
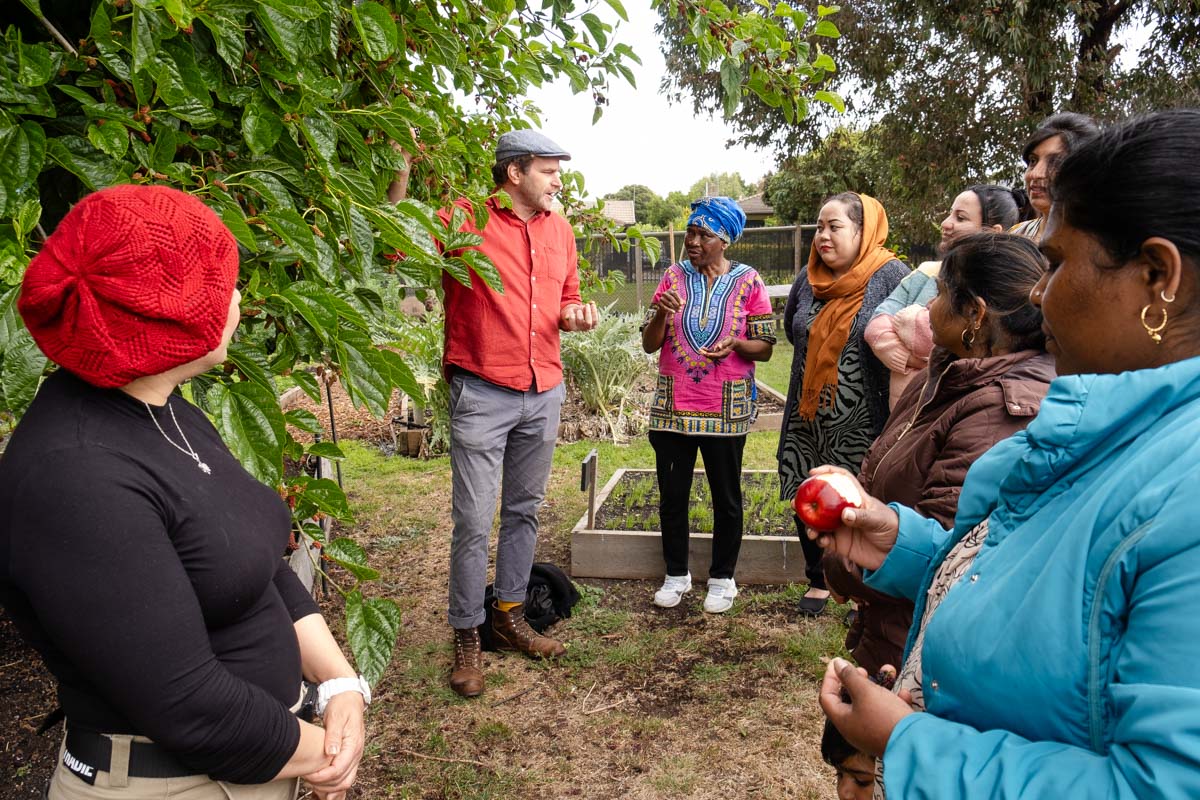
(838, 393)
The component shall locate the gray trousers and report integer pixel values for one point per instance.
(500, 439)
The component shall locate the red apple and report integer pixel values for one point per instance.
(821, 499)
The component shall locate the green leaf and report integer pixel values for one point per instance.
(308, 382)
(261, 126)
(111, 139)
(162, 147)
(824, 61)
(827, 29)
(350, 556)
(251, 423)
(27, 216)
(235, 220)
(597, 28)
(148, 31)
(326, 450)
(21, 371)
(366, 374)
(372, 628)
(22, 155)
(35, 6)
(87, 163)
(252, 363)
(832, 99)
(377, 30)
(314, 304)
(731, 80)
(303, 419)
(825, 11)
(37, 64)
(323, 495)
(402, 376)
(321, 135)
(620, 9)
(228, 37)
(181, 12)
(294, 231)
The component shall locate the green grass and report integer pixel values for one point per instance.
(776, 372)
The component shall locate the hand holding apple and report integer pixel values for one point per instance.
(821, 499)
(862, 531)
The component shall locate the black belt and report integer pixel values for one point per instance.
(90, 749)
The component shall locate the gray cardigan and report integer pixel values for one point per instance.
(885, 279)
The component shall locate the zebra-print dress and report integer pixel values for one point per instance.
(838, 435)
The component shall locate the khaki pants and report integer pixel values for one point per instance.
(117, 785)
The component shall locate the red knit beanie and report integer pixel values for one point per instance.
(134, 281)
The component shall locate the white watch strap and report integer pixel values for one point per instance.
(327, 690)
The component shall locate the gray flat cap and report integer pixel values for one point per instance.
(528, 143)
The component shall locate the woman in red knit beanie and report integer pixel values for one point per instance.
(138, 556)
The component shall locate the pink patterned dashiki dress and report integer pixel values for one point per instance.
(696, 395)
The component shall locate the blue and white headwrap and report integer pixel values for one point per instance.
(721, 215)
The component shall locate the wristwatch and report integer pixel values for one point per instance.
(328, 689)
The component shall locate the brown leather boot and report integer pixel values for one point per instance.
(467, 677)
(512, 632)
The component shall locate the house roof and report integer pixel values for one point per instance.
(755, 205)
(619, 211)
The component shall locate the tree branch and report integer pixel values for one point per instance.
(61, 39)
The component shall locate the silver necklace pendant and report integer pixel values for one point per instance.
(187, 449)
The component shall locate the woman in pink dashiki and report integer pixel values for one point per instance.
(711, 323)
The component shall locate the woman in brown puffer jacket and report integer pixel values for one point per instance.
(986, 379)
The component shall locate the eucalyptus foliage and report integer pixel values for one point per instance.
(299, 122)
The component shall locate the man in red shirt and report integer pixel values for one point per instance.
(506, 386)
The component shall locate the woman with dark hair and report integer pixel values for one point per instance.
(137, 555)
(711, 322)
(1055, 643)
(985, 381)
(899, 332)
(1052, 141)
(837, 398)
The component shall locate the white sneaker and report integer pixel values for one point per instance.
(673, 590)
(721, 592)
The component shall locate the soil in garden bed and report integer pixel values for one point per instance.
(633, 505)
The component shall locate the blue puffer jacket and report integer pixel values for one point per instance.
(1066, 663)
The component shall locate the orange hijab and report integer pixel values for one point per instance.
(844, 297)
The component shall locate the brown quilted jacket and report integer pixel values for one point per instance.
(941, 424)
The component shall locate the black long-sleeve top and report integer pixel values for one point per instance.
(156, 594)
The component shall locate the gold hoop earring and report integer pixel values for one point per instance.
(1154, 332)
(968, 341)
(1165, 299)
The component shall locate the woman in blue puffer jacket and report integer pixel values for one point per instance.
(1055, 650)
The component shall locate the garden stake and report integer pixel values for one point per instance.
(587, 482)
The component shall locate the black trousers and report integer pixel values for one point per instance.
(812, 557)
(675, 457)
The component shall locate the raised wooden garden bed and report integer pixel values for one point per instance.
(623, 540)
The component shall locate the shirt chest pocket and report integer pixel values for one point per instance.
(549, 262)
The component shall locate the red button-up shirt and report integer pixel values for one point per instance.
(511, 339)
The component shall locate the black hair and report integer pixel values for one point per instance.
(1001, 269)
(1137, 179)
(998, 205)
(853, 203)
(1025, 209)
(500, 168)
(1073, 128)
(835, 750)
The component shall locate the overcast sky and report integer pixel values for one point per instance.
(641, 138)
